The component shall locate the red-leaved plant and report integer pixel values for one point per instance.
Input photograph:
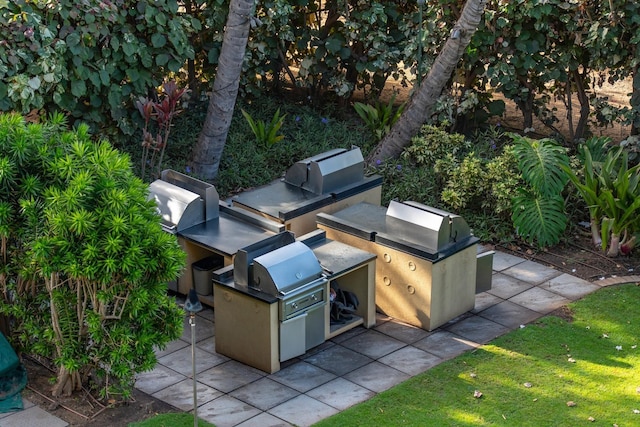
(162, 113)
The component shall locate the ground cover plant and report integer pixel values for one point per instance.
(560, 370)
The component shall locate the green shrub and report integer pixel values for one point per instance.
(84, 260)
(433, 143)
(379, 117)
(89, 59)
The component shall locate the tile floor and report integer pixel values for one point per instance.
(349, 368)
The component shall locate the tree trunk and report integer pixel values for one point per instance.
(206, 153)
(585, 108)
(421, 105)
(66, 382)
(635, 102)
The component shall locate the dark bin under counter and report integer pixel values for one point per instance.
(427, 258)
(248, 320)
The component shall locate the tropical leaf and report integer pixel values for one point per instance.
(540, 162)
(539, 219)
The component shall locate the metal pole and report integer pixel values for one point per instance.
(192, 322)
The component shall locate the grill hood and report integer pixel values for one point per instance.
(183, 201)
(283, 270)
(328, 171)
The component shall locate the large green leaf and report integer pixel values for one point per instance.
(541, 163)
(539, 220)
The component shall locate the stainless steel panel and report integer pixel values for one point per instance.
(314, 326)
(484, 271)
(176, 206)
(298, 173)
(243, 259)
(328, 171)
(293, 337)
(206, 191)
(310, 295)
(414, 224)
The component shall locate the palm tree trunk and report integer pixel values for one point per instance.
(421, 105)
(208, 149)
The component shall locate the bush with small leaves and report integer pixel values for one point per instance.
(84, 261)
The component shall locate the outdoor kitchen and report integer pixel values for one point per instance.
(429, 265)
(327, 182)
(276, 262)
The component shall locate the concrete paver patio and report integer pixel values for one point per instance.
(345, 370)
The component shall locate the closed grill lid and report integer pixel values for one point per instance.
(327, 172)
(176, 205)
(183, 201)
(285, 269)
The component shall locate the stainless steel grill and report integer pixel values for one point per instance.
(328, 171)
(426, 273)
(325, 182)
(293, 274)
(435, 229)
(183, 201)
(289, 271)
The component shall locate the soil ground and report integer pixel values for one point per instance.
(82, 409)
(577, 258)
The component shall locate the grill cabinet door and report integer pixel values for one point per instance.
(293, 337)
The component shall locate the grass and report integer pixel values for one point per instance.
(171, 420)
(527, 377)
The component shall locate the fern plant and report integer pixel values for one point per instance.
(266, 134)
(380, 117)
(538, 209)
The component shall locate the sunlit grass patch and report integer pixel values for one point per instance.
(551, 373)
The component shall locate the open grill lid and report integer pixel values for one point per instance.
(286, 269)
(183, 201)
(328, 171)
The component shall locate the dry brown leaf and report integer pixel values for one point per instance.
(528, 385)
(591, 419)
(477, 394)
(571, 403)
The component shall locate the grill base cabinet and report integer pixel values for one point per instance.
(251, 326)
(414, 284)
(422, 293)
(247, 328)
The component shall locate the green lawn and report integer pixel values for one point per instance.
(553, 372)
(550, 373)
